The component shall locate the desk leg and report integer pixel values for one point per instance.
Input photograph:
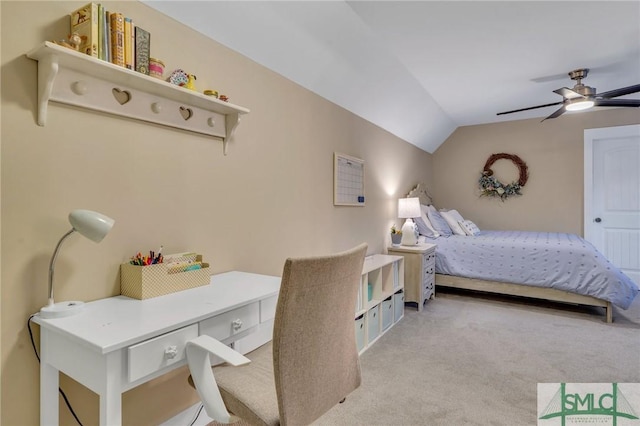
(111, 408)
(111, 394)
(49, 414)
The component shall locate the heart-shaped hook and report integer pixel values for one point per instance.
(122, 96)
(186, 113)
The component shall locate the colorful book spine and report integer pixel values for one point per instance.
(128, 59)
(117, 39)
(84, 21)
(107, 36)
(143, 47)
(132, 42)
(101, 31)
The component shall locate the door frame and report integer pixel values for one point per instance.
(590, 135)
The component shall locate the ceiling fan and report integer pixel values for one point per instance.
(583, 97)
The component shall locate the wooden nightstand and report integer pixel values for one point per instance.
(419, 272)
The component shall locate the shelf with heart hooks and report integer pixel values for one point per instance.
(73, 78)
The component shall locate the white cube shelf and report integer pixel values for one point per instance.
(376, 309)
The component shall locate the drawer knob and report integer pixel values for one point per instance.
(171, 352)
(237, 324)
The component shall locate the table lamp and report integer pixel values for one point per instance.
(408, 208)
(92, 225)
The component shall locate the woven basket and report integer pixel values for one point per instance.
(144, 282)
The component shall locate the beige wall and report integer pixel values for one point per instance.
(552, 199)
(270, 198)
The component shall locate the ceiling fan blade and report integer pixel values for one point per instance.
(617, 102)
(619, 92)
(557, 113)
(568, 93)
(526, 109)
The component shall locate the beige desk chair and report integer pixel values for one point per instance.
(312, 362)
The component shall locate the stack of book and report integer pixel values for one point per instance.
(112, 37)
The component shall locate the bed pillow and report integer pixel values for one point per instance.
(424, 225)
(469, 227)
(438, 223)
(453, 217)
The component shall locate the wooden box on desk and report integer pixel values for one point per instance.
(144, 282)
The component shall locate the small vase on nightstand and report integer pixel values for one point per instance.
(395, 239)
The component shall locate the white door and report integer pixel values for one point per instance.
(612, 195)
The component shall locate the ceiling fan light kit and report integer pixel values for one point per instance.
(579, 105)
(583, 97)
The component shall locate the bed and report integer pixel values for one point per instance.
(552, 266)
(558, 267)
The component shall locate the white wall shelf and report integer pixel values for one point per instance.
(73, 78)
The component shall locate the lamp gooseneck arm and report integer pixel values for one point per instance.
(52, 264)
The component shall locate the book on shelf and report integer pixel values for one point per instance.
(101, 31)
(142, 49)
(84, 21)
(117, 38)
(128, 46)
(107, 36)
(111, 37)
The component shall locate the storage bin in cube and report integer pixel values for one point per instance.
(373, 319)
(360, 332)
(398, 308)
(387, 313)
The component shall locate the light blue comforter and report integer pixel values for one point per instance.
(545, 259)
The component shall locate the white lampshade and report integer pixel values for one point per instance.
(408, 208)
(92, 225)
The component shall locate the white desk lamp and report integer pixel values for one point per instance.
(92, 225)
(408, 208)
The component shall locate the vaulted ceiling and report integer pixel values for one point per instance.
(420, 69)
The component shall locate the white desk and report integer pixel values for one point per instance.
(118, 343)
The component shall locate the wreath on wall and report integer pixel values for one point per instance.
(492, 187)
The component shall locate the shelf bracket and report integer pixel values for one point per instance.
(231, 122)
(47, 71)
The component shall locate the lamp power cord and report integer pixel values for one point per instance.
(64, 396)
(197, 415)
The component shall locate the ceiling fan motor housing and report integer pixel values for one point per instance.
(580, 88)
(584, 90)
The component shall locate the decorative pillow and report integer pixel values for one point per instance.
(424, 225)
(432, 208)
(469, 227)
(453, 217)
(439, 224)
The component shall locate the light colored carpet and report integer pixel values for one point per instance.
(469, 359)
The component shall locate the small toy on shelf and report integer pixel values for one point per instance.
(178, 77)
(74, 42)
(223, 98)
(213, 93)
(191, 82)
(183, 79)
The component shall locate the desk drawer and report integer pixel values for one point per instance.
(268, 308)
(155, 354)
(233, 322)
